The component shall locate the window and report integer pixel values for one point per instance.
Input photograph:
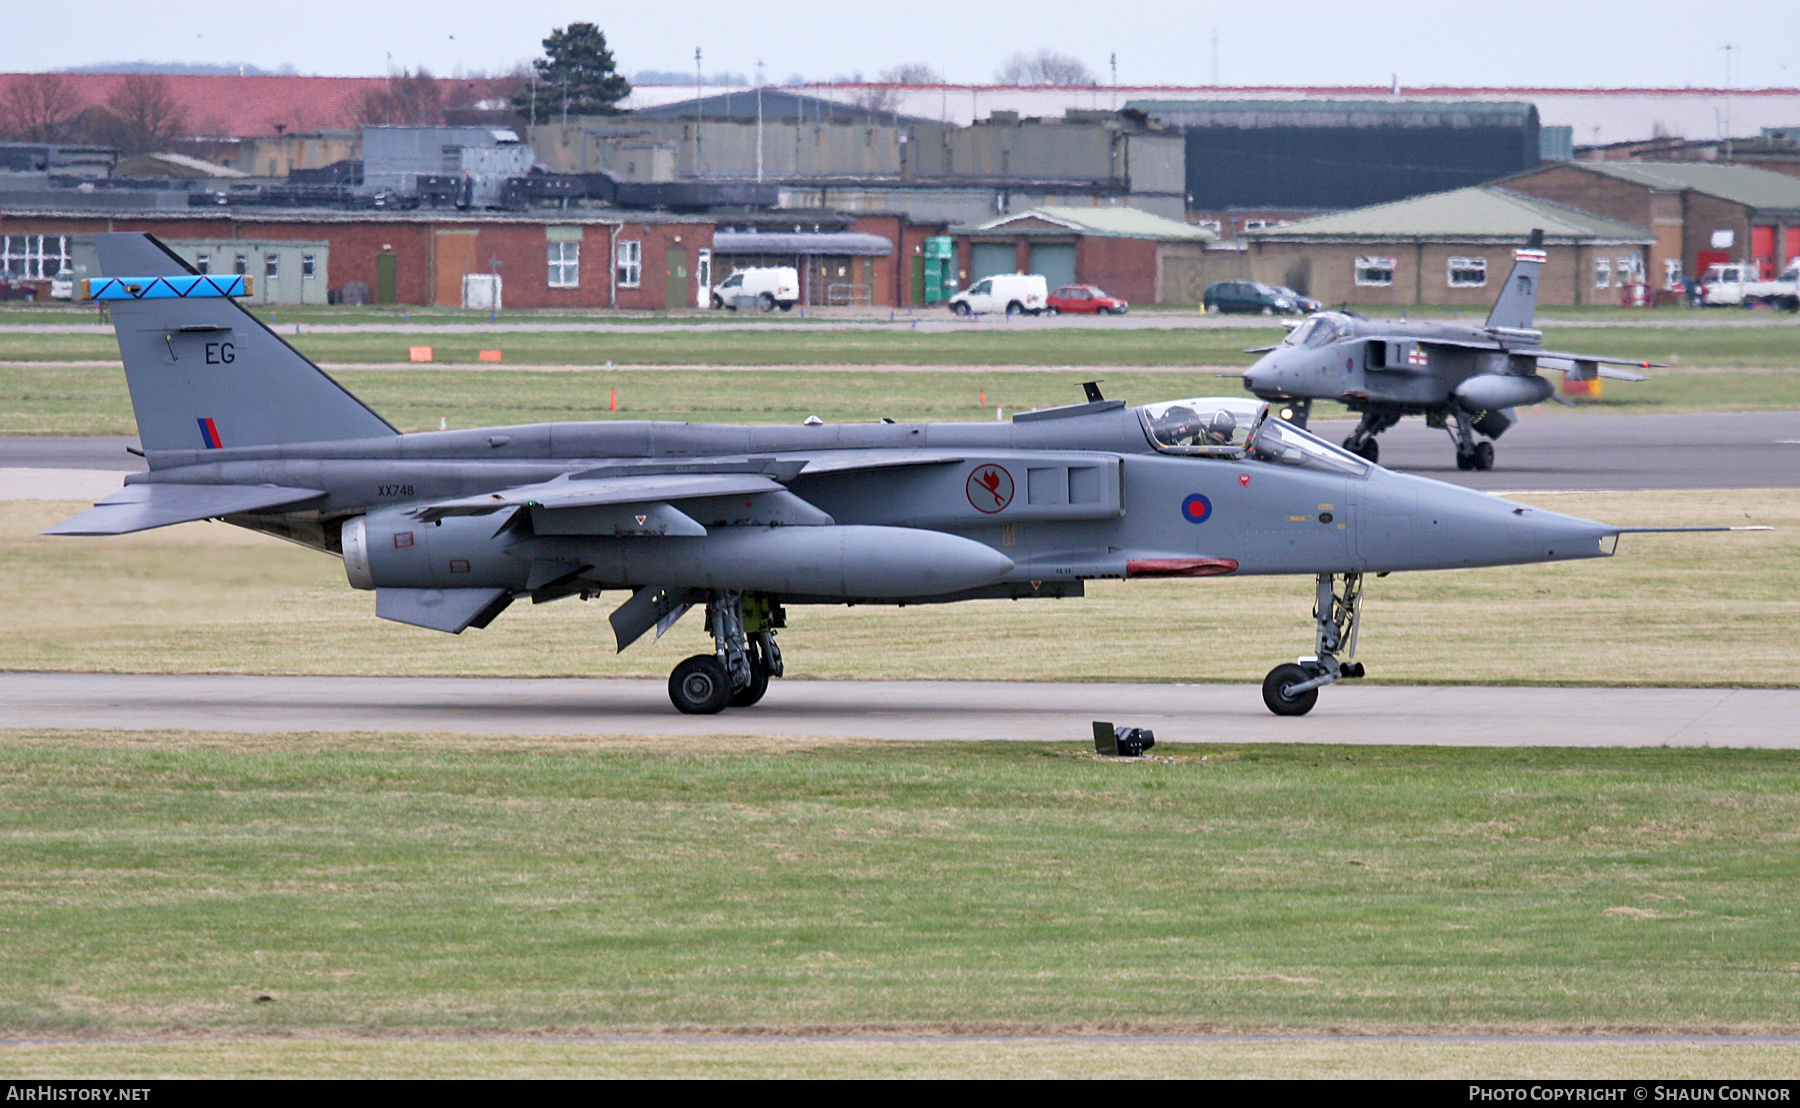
(272, 267)
(1468, 273)
(1215, 226)
(35, 257)
(565, 264)
(308, 267)
(1377, 272)
(203, 262)
(1627, 269)
(241, 264)
(631, 263)
(1671, 273)
(1603, 273)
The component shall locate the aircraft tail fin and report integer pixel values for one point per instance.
(204, 373)
(1517, 302)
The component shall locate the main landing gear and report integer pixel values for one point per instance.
(1469, 453)
(744, 656)
(1293, 689)
(1362, 440)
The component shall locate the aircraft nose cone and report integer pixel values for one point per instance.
(1264, 376)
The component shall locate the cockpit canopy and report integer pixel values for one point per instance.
(1321, 330)
(1229, 427)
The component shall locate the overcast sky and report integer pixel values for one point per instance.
(1655, 43)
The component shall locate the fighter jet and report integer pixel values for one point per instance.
(1465, 379)
(448, 528)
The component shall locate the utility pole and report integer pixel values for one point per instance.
(698, 112)
(1728, 48)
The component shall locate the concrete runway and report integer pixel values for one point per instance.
(1545, 451)
(915, 711)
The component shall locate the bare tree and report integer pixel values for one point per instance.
(1046, 67)
(39, 107)
(912, 73)
(410, 100)
(149, 113)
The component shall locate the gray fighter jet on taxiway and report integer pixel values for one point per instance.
(1463, 378)
(450, 527)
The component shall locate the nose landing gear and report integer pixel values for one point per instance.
(1293, 688)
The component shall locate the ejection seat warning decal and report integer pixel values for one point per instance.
(990, 488)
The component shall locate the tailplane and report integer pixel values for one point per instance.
(205, 373)
(1517, 303)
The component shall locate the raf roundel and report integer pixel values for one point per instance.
(1196, 509)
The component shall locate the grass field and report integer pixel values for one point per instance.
(550, 1056)
(359, 884)
(1679, 610)
(61, 399)
(975, 345)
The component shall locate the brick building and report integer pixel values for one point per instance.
(1450, 248)
(1130, 254)
(1687, 205)
(579, 259)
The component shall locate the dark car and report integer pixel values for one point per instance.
(1250, 297)
(14, 288)
(1085, 298)
(1306, 304)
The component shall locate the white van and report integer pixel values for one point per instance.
(770, 287)
(1004, 292)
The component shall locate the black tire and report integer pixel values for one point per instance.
(1465, 461)
(1483, 457)
(700, 686)
(1051, 311)
(766, 302)
(959, 308)
(1282, 704)
(1268, 310)
(1015, 306)
(717, 302)
(1369, 451)
(787, 305)
(759, 681)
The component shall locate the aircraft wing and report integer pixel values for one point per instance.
(1458, 344)
(141, 507)
(844, 461)
(1597, 359)
(596, 492)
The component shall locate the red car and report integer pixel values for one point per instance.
(1085, 298)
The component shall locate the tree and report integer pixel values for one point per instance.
(912, 73)
(575, 77)
(409, 100)
(1046, 67)
(39, 107)
(148, 113)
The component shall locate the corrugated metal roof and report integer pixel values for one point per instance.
(1119, 222)
(1336, 113)
(1478, 213)
(854, 243)
(1741, 184)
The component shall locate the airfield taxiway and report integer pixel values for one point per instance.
(1546, 451)
(913, 711)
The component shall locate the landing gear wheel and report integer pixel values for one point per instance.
(1465, 461)
(1280, 702)
(1483, 458)
(759, 682)
(700, 686)
(1367, 450)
